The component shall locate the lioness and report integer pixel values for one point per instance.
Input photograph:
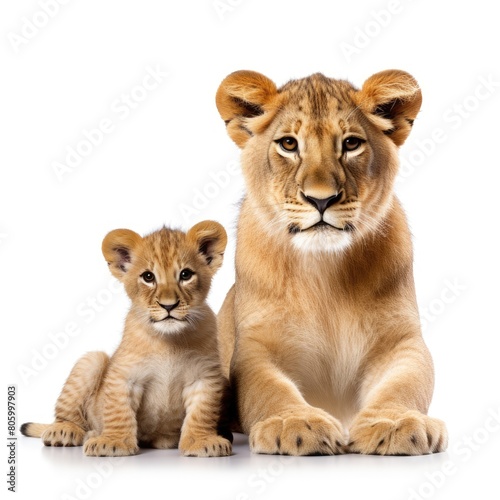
(321, 332)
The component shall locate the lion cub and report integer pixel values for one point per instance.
(163, 387)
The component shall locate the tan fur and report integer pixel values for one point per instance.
(163, 386)
(320, 333)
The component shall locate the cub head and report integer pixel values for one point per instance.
(319, 155)
(167, 274)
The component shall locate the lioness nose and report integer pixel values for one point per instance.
(321, 204)
(169, 307)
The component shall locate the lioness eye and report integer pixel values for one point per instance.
(148, 276)
(289, 144)
(352, 143)
(186, 274)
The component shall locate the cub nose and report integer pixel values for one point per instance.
(321, 204)
(169, 307)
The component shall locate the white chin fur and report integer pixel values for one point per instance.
(331, 241)
(170, 327)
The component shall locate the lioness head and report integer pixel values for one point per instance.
(319, 156)
(167, 274)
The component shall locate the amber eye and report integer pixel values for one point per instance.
(289, 144)
(352, 143)
(148, 276)
(186, 274)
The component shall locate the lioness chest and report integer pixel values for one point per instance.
(324, 345)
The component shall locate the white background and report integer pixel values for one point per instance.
(152, 166)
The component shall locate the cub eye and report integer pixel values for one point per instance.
(186, 274)
(148, 276)
(352, 143)
(289, 144)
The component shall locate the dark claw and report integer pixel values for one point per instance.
(429, 439)
(328, 445)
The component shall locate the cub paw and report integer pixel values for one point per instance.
(389, 432)
(209, 446)
(63, 434)
(302, 432)
(103, 446)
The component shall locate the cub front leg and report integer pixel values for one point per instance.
(203, 402)
(273, 411)
(119, 402)
(395, 397)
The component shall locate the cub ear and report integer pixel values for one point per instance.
(391, 99)
(210, 240)
(118, 248)
(241, 96)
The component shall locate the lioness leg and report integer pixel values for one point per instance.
(273, 411)
(395, 396)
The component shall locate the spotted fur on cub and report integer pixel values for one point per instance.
(163, 387)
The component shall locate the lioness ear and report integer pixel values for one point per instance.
(391, 100)
(118, 247)
(210, 239)
(241, 96)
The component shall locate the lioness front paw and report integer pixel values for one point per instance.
(103, 446)
(209, 446)
(388, 432)
(63, 434)
(303, 432)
